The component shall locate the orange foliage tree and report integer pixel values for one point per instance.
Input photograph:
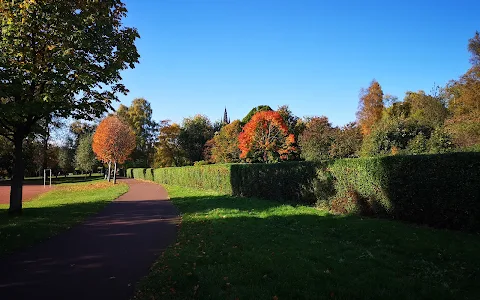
(370, 107)
(266, 138)
(113, 142)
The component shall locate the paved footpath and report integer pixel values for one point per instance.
(102, 258)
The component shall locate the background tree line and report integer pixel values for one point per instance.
(442, 120)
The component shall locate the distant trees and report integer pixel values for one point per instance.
(84, 156)
(266, 138)
(317, 138)
(320, 141)
(226, 146)
(139, 116)
(194, 133)
(370, 107)
(169, 152)
(113, 142)
(464, 101)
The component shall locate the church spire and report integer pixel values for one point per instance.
(226, 120)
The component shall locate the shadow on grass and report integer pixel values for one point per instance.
(255, 249)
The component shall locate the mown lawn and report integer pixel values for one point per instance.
(236, 248)
(54, 212)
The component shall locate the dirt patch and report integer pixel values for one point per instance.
(29, 192)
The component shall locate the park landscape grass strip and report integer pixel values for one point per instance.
(244, 248)
(54, 212)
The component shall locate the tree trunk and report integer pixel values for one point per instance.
(109, 170)
(115, 173)
(18, 174)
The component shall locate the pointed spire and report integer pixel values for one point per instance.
(226, 120)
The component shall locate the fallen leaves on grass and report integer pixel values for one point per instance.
(85, 187)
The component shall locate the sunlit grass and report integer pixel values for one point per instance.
(55, 211)
(237, 248)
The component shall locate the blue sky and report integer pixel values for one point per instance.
(198, 56)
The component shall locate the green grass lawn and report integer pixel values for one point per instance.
(236, 248)
(54, 212)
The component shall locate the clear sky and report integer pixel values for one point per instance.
(198, 56)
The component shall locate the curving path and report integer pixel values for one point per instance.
(102, 258)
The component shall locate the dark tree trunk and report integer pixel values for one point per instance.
(18, 174)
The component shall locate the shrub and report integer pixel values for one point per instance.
(139, 173)
(149, 174)
(287, 181)
(214, 177)
(130, 173)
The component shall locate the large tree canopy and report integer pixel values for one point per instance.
(59, 58)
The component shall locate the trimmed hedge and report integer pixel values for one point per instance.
(130, 173)
(149, 174)
(437, 190)
(214, 177)
(139, 173)
(288, 181)
(441, 190)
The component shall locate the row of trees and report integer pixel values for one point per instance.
(446, 119)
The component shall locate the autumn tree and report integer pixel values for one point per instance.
(60, 59)
(426, 109)
(195, 132)
(169, 152)
(266, 138)
(113, 142)
(226, 144)
(85, 159)
(139, 116)
(370, 107)
(464, 101)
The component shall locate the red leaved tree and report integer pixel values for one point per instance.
(113, 141)
(266, 138)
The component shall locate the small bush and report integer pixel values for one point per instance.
(130, 173)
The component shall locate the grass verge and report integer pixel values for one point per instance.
(238, 248)
(53, 212)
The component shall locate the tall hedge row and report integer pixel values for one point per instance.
(149, 174)
(438, 190)
(130, 173)
(289, 181)
(139, 173)
(214, 177)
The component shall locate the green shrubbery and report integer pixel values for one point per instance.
(139, 173)
(288, 181)
(149, 174)
(437, 190)
(130, 173)
(214, 177)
